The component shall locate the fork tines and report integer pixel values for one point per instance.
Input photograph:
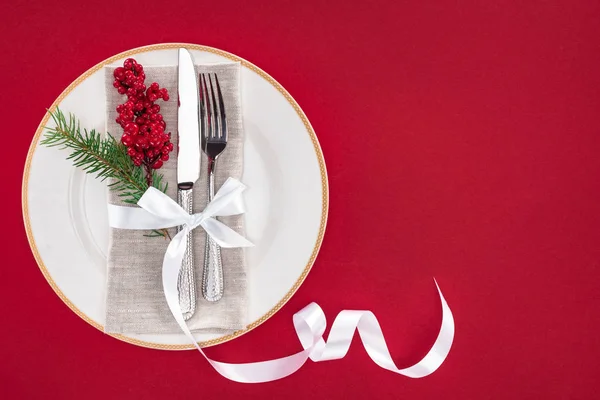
(212, 109)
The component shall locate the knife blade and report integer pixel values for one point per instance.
(188, 157)
(188, 168)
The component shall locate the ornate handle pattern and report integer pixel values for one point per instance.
(186, 283)
(212, 281)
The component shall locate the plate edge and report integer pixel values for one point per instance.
(316, 146)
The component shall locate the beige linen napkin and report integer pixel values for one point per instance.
(135, 301)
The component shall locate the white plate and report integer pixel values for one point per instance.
(65, 212)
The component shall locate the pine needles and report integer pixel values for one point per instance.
(106, 158)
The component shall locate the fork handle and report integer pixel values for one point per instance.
(212, 282)
(186, 283)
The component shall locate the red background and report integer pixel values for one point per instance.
(482, 170)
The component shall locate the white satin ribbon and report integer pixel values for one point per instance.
(310, 326)
(159, 211)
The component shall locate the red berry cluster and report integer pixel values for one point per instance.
(144, 129)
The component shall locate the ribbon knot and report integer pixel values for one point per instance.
(195, 220)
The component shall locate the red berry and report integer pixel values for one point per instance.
(165, 157)
(127, 140)
(141, 142)
(121, 90)
(157, 164)
(164, 94)
(119, 73)
(131, 128)
(155, 142)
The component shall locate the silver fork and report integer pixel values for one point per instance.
(213, 128)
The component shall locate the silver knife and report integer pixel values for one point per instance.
(188, 169)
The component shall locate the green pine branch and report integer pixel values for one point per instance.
(106, 158)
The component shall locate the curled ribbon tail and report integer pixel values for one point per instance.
(310, 326)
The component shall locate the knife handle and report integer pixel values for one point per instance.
(186, 283)
(212, 281)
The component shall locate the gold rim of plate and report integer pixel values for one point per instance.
(324, 188)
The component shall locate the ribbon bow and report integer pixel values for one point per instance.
(159, 211)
